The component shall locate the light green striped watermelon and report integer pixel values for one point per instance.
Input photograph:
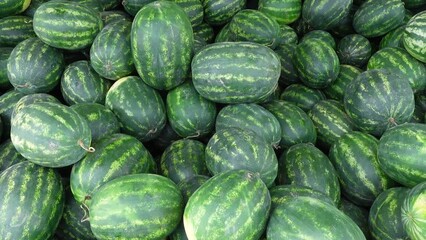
(285, 53)
(15, 29)
(132, 7)
(320, 35)
(302, 96)
(4, 56)
(12, 7)
(325, 14)
(8, 101)
(31, 202)
(50, 134)
(52, 19)
(154, 204)
(114, 15)
(280, 194)
(354, 49)
(358, 214)
(204, 31)
(220, 12)
(336, 90)
(414, 38)
(194, 10)
(32, 98)
(393, 38)
(231, 205)
(283, 11)
(8, 155)
(413, 212)
(162, 43)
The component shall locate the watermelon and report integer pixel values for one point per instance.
(358, 214)
(32, 201)
(280, 194)
(189, 185)
(379, 99)
(384, 218)
(336, 90)
(220, 12)
(325, 14)
(253, 117)
(166, 137)
(414, 3)
(305, 165)
(117, 155)
(378, 17)
(345, 25)
(320, 35)
(112, 16)
(287, 35)
(4, 56)
(55, 18)
(225, 35)
(92, 4)
(188, 113)
(132, 7)
(9, 156)
(154, 204)
(235, 148)
(393, 38)
(237, 196)
(282, 11)
(235, 72)
(15, 29)
(285, 53)
(50, 134)
(139, 108)
(204, 31)
(32, 98)
(354, 157)
(8, 101)
(354, 49)
(194, 10)
(184, 159)
(110, 53)
(34, 4)
(401, 153)
(413, 38)
(413, 212)
(159, 63)
(34, 66)
(12, 7)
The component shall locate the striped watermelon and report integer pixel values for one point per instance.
(15, 29)
(194, 10)
(8, 155)
(379, 99)
(306, 217)
(4, 56)
(345, 25)
(220, 12)
(50, 134)
(12, 7)
(393, 38)
(401, 153)
(302, 96)
(325, 14)
(184, 159)
(235, 72)
(101, 120)
(414, 38)
(159, 63)
(8, 101)
(30, 99)
(398, 59)
(322, 35)
(239, 197)
(287, 35)
(255, 26)
(378, 17)
(53, 18)
(116, 155)
(305, 165)
(285, 53)
(31, 202)
(336, 90)
(80, 83)
(296, 126)
(139, 108)
(354, 49)
(225, 35)
(34, 66)
(114, 15)
(283, 11)
(110, 53)
(154, 204)
(166, 137)
(358, 214)
(413, 212)
(280, 194)
(253, 117)
(204, 31)
(414, 3)
(235, 148)
(92, 4)
(33, 7)
(189, 114)
(384, 218)
(312, 72)
(132, 7)
(354, 157)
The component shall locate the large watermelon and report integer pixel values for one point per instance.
(413, 212)
(414, 38)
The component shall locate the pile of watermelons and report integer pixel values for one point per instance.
(213, 119)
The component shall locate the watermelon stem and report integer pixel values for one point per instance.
(85, 209)
(197, 134)
(88, 149)
(392, 121)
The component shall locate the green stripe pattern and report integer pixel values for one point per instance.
(132, 7)
(34, 66)
(330, 120)
(116, 155)
(220, 12)
(189, 185)
(15, 29)
(162, 43)
(305, 165)
(358, 214)
(413, 212)
(296, 126)
(302, 96)
(110, 53)
(235, 148)
(101, 120)
(288, 74)
(139, 108)
(225, 35)
(253, 117)
(282, 11)
(204, 31)
(320, 35)
(306, 217)
(255, 26)
(325, 14)
(378, 17)
(393, 38)
(232, 205)
(194, 10)
(31, 202)
(354, 49)
(8, 155)
(184, 159)
(154, 205)
(317, 63)
(354, 157)
(80, 83)
(398, 59)
(287, 35)
(32, 98)
(235, 72)
(67, 25)
(414, 38)
(280, 194)
(189, 114)
(114, 15)
(50, 134)
(8, 101)
(4, 57)
(384, 218)
(336, 89)
(12, 7)
(402, 151)
(379, 99)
